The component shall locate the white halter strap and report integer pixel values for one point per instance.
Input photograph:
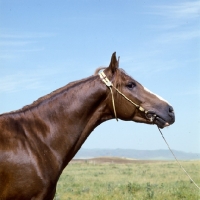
(110, 85)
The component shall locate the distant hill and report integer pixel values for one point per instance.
(136, 154)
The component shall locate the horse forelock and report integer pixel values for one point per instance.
(98, 70)
(118, 76)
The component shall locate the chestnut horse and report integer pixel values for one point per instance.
(39, 140)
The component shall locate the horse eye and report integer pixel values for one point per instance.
(131, 85)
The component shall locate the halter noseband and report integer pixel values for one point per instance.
(110, 85)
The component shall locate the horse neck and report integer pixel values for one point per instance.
(72, 115)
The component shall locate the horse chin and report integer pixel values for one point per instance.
(161, 123)
(156, 119)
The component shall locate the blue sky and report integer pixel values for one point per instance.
(46, 44)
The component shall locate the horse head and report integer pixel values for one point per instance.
(132, 101)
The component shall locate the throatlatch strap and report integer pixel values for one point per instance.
(110, 85)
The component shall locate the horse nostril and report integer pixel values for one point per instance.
(171, 110)
(171, 113)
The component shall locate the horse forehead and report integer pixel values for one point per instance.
(162, 99)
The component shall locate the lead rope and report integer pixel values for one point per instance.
(177, 160)
(110, 85)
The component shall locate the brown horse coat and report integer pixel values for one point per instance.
(39, 140)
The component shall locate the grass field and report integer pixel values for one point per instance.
(119, 179)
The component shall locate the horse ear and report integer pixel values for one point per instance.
(113, 63)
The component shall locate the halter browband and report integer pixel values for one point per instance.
(110, 85)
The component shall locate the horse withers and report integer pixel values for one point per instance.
(39, 140)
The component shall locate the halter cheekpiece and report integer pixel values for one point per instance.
(110, 85)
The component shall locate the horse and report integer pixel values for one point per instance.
(39, 140)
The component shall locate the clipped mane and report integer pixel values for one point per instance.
(48, 96)
(117, 82)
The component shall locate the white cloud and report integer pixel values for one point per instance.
(182, 16)
(26, 35)
(178, 36)
(21, 42)
(17, 82)
(22, 39)
(177, 27)
(26, 80)
(183, 10)
(15, 43)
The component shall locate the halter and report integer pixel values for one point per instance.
(110, 85)
(152, 118)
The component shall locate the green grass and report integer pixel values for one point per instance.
(141, 181)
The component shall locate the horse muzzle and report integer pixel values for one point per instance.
(161, 120)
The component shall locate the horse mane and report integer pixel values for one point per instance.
(47, 96)
(117, 82)
(98, 70)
